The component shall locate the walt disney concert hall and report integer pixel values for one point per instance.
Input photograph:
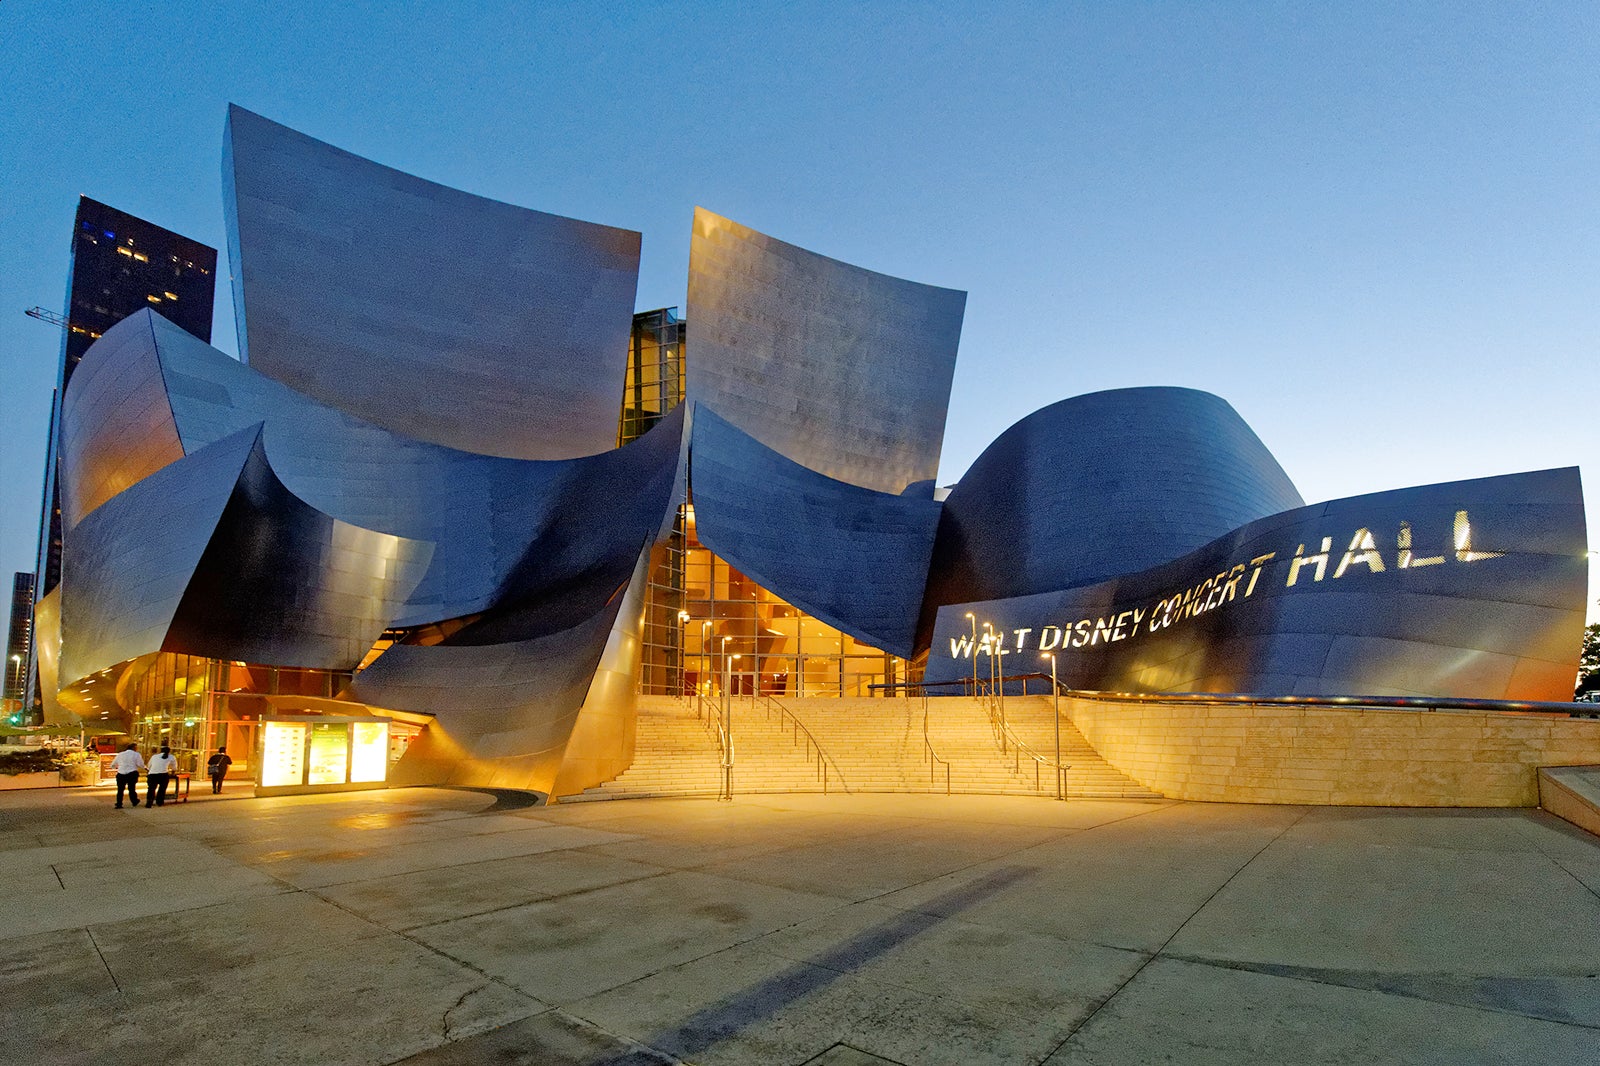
(457, 508)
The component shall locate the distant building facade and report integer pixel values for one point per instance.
(19, 639)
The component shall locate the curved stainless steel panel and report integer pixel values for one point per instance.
(508, 533)
(116, 424)
(281, 582)
(128, 563)
(843, 370)
(1471, 589)
(1099, 485)
(213, 556)
(855, 558)
(503, 713)
(443, 316)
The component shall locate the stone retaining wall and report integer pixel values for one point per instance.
(1266, 753)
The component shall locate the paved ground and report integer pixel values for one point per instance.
(433, 927)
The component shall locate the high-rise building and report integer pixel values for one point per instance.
(19, 639)
(120, 264)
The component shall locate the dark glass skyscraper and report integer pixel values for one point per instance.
(17, 640)
(120, 264)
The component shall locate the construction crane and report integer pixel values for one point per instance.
(47, 316)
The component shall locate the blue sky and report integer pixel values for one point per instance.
(1373, 228)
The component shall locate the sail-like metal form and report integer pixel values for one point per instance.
(1101, 485)
(443, 316)
(854, 558)
(840, 369)
(212, 555)
(1470, 589)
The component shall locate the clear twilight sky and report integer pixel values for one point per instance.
(1374, 228)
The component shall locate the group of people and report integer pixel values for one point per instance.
(128, 762)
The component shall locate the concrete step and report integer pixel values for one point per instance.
(869, 745)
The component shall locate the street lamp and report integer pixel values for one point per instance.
(1055, 702)
(705, 656)
(683, 640)
(727, 726)
(989, 644)
(973, 619)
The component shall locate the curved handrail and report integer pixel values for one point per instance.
(824, 760)
(927, 745)
(1004, 734)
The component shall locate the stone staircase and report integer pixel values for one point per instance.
(871, 745)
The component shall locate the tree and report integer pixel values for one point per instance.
(1589, 661)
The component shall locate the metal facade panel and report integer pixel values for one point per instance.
(854, 558)
(843, 370)
(116, 424)
(443, 316)
(128, 563)
(213, 556)
(505, 530)
(503, 713)
(1469, 589)
(1100, 485)
(281, 582)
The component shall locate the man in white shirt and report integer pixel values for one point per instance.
(155, 788)
(127, 765)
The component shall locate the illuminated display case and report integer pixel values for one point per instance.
(320, 754)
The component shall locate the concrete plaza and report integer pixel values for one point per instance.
(438, 927)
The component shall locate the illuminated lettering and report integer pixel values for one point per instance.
(1102, 629)
(1080, 632)
(1218, 586)
(1367, 555)
(1258, 562)
(1302, 559)
(1138, 613)
(1052, 634)
(1463, 539)
(1406, 559)
(961, 648)
(1022, 637)
(1234, 577)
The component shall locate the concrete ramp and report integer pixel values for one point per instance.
(1573, 793)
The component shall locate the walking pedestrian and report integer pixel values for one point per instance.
(161, 766)
(126, 765)
(217, 767)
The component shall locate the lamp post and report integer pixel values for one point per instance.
(727, 725)
(683, 650)
(705, 656)
(989, 643)
(973, 619)
(1055, 703)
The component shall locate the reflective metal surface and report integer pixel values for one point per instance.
(1471, 589)
(843, 370)
(551, 540)
(854, 558)
(213, 556)
(444, 316)
(503, 712)
(1100, 485)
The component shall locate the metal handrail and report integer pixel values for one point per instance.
(1413, 703)
(933, 756)
(1004, 733)
(824, 760)
(712, 717)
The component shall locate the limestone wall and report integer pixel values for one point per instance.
(1265, 753)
